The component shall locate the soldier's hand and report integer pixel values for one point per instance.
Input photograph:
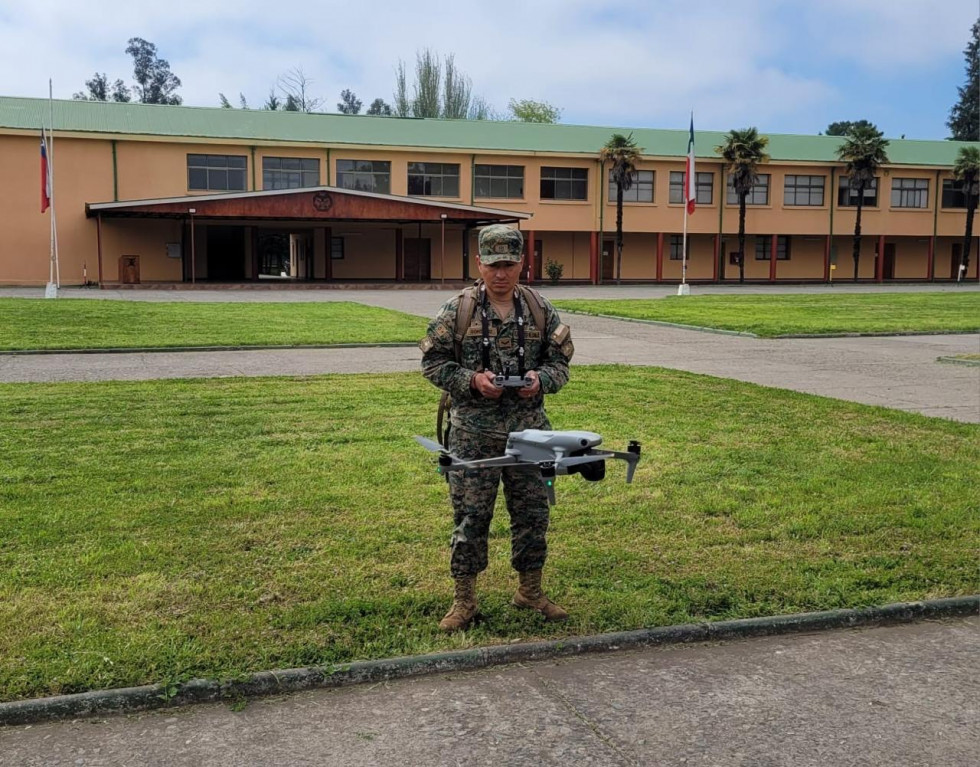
(526, 392)
(483, 383)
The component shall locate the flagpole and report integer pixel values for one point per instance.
(690, 193)
(54, 272)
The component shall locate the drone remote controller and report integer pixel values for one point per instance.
(506, 381)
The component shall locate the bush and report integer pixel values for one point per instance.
(554, 270)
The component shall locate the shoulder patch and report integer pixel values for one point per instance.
(426, 344)
(561, 334)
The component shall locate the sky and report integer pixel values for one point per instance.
(783, 66)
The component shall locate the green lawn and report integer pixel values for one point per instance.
(160, 531)
(775, 315)
(103, 324)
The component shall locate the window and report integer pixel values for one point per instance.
(433, 179)
(954, 193)
(290, 172)
(847, 197)
(336, 248)
(763, 246)
(564, 183)
(910, 193)
(364, 175)
(216, 172)
(640, 191)
(803, 190)
(758, 194)
(676, 245)
(703, 187)
(505, 181)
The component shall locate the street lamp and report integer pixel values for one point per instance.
(442, 255)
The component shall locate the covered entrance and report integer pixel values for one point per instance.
(312, 235)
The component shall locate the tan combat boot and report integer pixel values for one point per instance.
(464, 608)
(529, 595)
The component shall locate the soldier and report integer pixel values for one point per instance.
(510, 328)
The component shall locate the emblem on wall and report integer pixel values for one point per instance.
(322, 201)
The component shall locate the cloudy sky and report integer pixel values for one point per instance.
(785, 66)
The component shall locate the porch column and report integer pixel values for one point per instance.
(466, 251)
(880, 263)
(328, 252)
(660, 256)
(529, 245)
(931, 260)
(98, 223)
(772, 257)
(594, 258)
(826, 258)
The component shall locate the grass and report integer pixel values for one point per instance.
(94, 324)
(160, 531)
(776, 315)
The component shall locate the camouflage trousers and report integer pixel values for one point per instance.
(473, 494)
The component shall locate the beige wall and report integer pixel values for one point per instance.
(147, 239)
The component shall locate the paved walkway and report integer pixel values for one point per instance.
(895, 371)
(902, 695)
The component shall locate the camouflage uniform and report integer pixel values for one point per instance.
(480, 427)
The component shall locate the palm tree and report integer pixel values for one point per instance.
(863, 150)
(743, 152)
(967, 171)
(623, 154)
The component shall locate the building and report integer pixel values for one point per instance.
(169, 194)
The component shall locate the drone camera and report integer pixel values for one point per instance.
(633, 447)
(591, 472)
(584, 442)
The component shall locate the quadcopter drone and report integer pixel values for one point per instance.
(553, 453)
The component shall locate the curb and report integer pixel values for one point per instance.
(131, 699)
(160, 349)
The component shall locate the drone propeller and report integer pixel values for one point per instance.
(430, 444)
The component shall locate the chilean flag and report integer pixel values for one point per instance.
(690, 187)
(45, 176)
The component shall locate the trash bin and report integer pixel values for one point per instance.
(129, 270)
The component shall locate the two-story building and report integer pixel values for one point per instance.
(173, 195)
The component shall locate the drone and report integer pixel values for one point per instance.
(552, 453)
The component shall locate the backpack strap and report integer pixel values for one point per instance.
(535, 303)
(464, 316)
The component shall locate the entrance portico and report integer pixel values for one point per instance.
(309, 235)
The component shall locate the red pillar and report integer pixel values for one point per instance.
(529, 245)
(660, 256)
(880, 261)
(594, 258)
(826, 258)
(772, 257)
(931, 260)
(716, 256)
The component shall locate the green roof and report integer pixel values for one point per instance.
(256, 125)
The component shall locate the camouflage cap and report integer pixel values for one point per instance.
(500, 243)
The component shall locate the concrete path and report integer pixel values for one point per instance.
(901, 695)
(896, 371)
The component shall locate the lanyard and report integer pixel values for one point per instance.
(485, 321)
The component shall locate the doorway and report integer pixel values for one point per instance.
(608, 260)
(418, 259)
(888, 268)
(226, 253)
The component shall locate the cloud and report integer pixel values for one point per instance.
(760, 62)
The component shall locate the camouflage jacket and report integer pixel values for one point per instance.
(547, 351)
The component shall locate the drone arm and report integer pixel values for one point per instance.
(631, 460)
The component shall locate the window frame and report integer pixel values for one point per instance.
(311, 172)
(918, 190)
(632, 195)
(555, 176)
(844, 193)
(213, 169)
(798, 190)
(508, 178)
(731, 198)
(782, 247)
(358, 174)
(704, 181)
(674, 253)
(429, 174)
